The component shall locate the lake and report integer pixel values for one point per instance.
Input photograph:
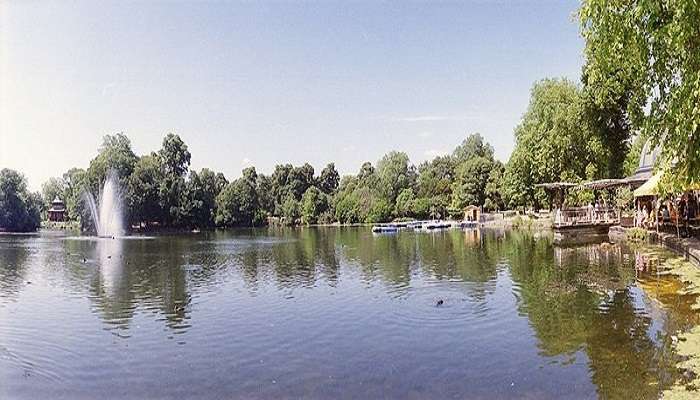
(333, 313)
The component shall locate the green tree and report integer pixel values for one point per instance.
(313, 203)
(552, 140)
(470, 182)
(329, 179)
(300, 179)
(115, 154)
(473, 146)
(421, 208)
(201, 191)
(174, 158)
(144, 190)
(174, 155)
(404, 203)
(291, 210)
(76, 183)
(236, 205)
(20, 210)
(494, 186)
(265, 193)
(280, 185)
(649, 51)
(395, 174)
(435, 177)
(368, 175)
(380, 211)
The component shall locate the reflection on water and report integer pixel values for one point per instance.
(334, 313)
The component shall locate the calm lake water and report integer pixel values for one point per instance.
(332, 313)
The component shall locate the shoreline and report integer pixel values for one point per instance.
(689, 248)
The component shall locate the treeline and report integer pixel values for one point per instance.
(561, 137)
(160, 190)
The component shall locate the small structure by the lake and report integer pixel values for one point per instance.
(57, 212)
(472, 213)
(574, 225)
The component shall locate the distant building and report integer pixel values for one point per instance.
(472, 213)
(57, 212)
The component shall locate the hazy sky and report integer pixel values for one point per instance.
(266, 83)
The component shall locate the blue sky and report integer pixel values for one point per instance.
(264, 83)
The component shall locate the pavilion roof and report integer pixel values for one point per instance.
(556, 185)
(604, 183)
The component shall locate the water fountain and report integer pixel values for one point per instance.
(107, 214)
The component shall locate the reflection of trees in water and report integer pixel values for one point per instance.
(298, 257)
(13, 265)
(576, 299)
(303, 257)
(147, 273)
(579, 299)
(388, 258)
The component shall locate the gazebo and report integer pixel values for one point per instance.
(57, 212)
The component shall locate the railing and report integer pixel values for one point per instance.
(585, 215)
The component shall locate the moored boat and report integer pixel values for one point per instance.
(384, 229)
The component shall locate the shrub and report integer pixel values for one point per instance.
(636, 234)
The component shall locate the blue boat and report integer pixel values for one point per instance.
(384, 229)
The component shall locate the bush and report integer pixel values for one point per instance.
(637, 234)
(522, 222)
(380, 212)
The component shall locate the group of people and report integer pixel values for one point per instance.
(598, 211)
(656, 214)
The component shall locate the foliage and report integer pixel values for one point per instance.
(649, 52)
(553, 141)
(174, 160)
(51, 189)
(314, 202)
(144, 190)
(405, 203)
(636, 234)
(20, 210)
(435, 177)
(199, 205)
(75, 182)
(469, 187)
(236, 204)
(395, 174)
(291, 210)
(329, 179)
(174, 155)
(472, 147)
(624, 198)
(494, 188)
(116, 155)
(159, 190)
(379, 211)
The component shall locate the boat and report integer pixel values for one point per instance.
(432, 225)
(385, 229)
(414, 225)
(466, 224)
